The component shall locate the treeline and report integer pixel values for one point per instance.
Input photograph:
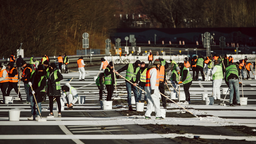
(54, 27)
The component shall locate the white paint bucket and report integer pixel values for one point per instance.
(173, 95)
(225, 91)
(8, 100)
(14, 115)
(182, 96)
(243, 101)
(163, 113)
(205, 95)
(139, 107)
(133, 100)
(207, 101)
(107, 105)
(95, 77)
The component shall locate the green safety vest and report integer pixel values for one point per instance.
(33, 71)
(108, 79)
(232, 69)
(163, 63)
(47, 72)
(55, 77)
(98, 81)
(31, 61)
(218, 74)
(65, 60)
(210, 64)
(176, 74)
(188, 78)
(130, 72)
(39, 84)
(143, 75)
(200, 62)
(175, 64)
(44, 59)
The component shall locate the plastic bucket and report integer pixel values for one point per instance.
(173, 95)
(224, 91)
(107, 105)
(182, 96)
(94, 78)
(163, 113)
(8, 100)
(205, 95)
(207, 101)
(133, 100)
(243, 101)
(14, 115)
(139, 107)
(211, 99)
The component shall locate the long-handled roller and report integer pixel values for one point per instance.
(161, 94)
(223, 104)
(41, 119)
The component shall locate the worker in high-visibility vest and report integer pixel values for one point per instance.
(209, 69)
(232, 80)
(104, 64)
(110, 80)
(66, 62)
(4, 79)
(31, 62)
(152, 90)
(226, 61)
(162, 81)
(206, 61)
(248, 67)
(173, 64)
(150, 58)
(242, 67)
(174, 80)
(186, 80)
(100, 84)
(142, 82)
(133, 75)
(60, 61)
(13, 80)
(217, 76)
(199, 67)
(39, 90)
(193, 65)
(44, 58)
(26, 80)
(186, 63)
(81, 64)
(12, 59)
(231, 59)
(69, 96)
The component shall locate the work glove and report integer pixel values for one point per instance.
(152, 91)
(29, 83)
(33, 92)
(180, 82)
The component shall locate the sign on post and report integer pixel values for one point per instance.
(108, 46)
(85, 40)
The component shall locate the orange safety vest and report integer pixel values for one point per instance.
(79, 63)
(12, 58)
(60, 59)
(195, 60)
(215, 57)
(161, 73)
(150, 57)
(186, 64)
(148, 76)
(6, 78)
(231, 59)
(105, 64)
(15, 78)
(207, 60)
(24, 74)
(241, 65)
(247, 66)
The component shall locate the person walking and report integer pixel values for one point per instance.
(54, 88)
(110, 80)
(69, 96)
(142, 81)
(4, 79)
(39, 89)
(186, 79)
(66, 62)
(133, 75)
(193, 63)
(104, 64)
(19, 65)
(199, 67)
(152, 90)
(26, 75)
(217, 79)
(100, 84)
(231, 78)
(150, 58)
(60, 61)
(80, 63)
(13, 80)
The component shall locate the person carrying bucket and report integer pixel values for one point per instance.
(100, 84)
(69, 96)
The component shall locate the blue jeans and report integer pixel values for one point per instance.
(34, 110)
(242, 73)
(129, 88)
(234, 86)
(174, 85)
(28, 92)
(140, 93)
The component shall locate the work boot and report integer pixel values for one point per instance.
(38, 117)
(59, 114)
(130, 108)
(31, 118)
(147, 118)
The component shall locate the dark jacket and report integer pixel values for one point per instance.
(18, 62)
(40, 96)
(26, 77)
(51, 89)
